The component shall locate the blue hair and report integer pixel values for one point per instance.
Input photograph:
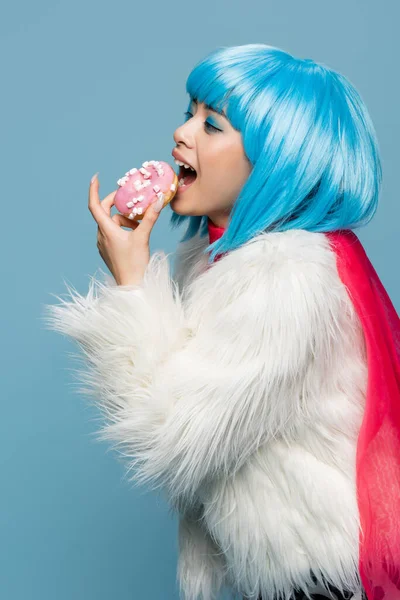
(307, 134)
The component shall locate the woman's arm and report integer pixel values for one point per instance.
(190, 396)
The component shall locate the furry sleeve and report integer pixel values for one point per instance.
(191, 397)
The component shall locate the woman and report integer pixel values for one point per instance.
(258, 388)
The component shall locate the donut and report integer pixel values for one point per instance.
(141, 187)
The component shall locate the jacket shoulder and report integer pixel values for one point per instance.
(274, 276)
(293, 247)
(298, 261)
(295, 254)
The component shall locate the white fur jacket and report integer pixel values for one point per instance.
(239, 390)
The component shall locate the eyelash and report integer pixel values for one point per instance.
(187, 113)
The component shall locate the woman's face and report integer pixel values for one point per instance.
(209, 143)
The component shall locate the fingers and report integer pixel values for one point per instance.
(108, 202)
(123, 221)
(100, 211)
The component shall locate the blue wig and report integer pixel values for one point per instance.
(307, 134)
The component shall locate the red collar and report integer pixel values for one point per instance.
(214, 231)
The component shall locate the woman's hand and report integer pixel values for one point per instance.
(126, 253)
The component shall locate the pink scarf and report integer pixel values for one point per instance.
(378, 445)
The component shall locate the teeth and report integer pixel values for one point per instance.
(181, 164)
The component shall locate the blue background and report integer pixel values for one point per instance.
(101, 87)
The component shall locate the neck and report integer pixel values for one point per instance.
(219, 220)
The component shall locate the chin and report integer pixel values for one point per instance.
(182, 213)
(180, 210)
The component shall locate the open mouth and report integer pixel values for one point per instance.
(186, 177)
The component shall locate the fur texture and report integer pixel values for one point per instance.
(239, 391)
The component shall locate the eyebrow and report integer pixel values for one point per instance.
(208, 107)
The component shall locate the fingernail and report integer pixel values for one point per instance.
(158, 205)
(94, 177)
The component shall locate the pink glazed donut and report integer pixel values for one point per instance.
(141, 187)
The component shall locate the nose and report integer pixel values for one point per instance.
(185, 134)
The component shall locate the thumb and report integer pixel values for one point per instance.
(153, 211)
(158, 205)
(150, 216)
